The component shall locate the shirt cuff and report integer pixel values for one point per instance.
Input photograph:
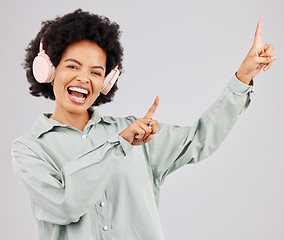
(239, 87)
(126, 146)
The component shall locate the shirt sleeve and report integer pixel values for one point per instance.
(62, 196)
(174, 146)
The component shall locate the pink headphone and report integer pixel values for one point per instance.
(43, 68)
(44, 71)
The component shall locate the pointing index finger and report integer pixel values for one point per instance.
(152, 109)
(257, 37)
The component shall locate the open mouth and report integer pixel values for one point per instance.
(77, 94)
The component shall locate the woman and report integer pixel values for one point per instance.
(84, 177)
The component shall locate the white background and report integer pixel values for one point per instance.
(185, 52)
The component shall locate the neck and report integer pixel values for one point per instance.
(76, 120)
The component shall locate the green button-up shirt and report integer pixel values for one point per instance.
(93, 184)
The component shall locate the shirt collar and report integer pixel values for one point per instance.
(44, 123)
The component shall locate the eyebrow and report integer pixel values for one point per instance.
(76, 61)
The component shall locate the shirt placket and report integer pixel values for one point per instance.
(104, 221)
(101, 207)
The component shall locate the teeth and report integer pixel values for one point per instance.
(78, 98)
(80, 90)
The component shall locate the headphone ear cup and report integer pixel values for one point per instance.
(110, 80)
(43, 68)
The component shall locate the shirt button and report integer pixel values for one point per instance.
(102, 204)
(105, 228)
(84, 136)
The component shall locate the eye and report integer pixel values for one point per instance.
(97, 73)
(72, 67)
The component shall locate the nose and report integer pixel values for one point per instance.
(83, 77)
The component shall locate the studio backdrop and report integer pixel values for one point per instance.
(185, 52)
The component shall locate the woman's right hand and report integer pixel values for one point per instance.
(142, 130)
(259, 57)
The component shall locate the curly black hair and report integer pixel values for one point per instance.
(57, 34)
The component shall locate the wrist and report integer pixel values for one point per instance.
(243, 78)
(125, 136)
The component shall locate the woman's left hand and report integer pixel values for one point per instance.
(141, 131)
(257, 58)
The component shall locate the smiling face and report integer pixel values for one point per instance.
(79, 77)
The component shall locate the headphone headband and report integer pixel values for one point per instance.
(41, 46)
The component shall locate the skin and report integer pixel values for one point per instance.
(259, 57)
(142, 130)
(82, 65)
(76, 68)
